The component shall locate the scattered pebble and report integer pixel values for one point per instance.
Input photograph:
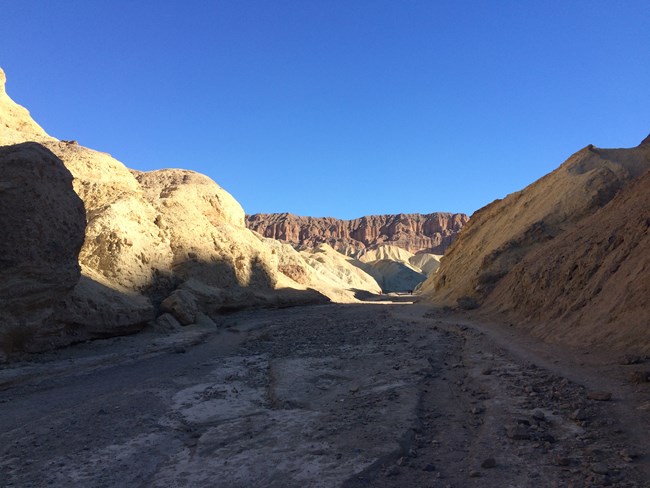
(601, 396)
(518, 432)
(639, 377)
(630, 359)
(539, 415)
(579, 414)
(488, 463)
(600, 468)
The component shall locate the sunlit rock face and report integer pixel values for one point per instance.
(430, 233)
(152, 236)
(590, 286)
(16, 125)
(565, 255)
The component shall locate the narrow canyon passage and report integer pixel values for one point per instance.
(376, 394)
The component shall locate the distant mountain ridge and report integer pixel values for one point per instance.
(417, 233)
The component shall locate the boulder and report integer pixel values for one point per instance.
(42, 221)
(95, 309)
(204, 226)
(123, 242)
(182, 305)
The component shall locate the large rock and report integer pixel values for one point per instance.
(396, 276)
(97, 308)
(169, 237)
(42, 222)
(431, 233)
(501, 234)
(204, 226)
(123, 243)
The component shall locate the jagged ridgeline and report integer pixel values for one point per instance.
(417, 233)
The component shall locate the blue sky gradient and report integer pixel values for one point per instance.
(337, 108)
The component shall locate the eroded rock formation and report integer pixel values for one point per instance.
(590, 285)
(42, 221)
(430, 233)
(569, 249)
(168, 243)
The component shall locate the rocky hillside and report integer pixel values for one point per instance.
(160, 249)
(591, 284)
(567, 255)
(430, 233)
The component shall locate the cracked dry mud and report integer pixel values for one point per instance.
(376, 395)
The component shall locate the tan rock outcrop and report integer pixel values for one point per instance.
(204, 227)
(396, 269)
(427, 263)
(499, 235)
(148, 235)
(97, 308)
(16, 125)
(431, 233)
(123, 242)
(42, 222)
(385, 251)
(395, 276)
(164, 242)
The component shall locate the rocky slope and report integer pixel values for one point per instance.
(590, 285)
(570, 248)
(430, 233)
(170, 244)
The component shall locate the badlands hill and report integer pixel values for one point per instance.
(567, 256)
(107, 250)
(429, 233)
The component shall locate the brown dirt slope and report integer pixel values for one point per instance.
(499, 235)
(591, 284)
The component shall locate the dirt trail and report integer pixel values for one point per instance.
(377, 394)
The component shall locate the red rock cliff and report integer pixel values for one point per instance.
(414, 232)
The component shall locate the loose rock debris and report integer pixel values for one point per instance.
(379, 395)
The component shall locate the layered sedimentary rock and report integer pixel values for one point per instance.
(430, 233)
(569, 247)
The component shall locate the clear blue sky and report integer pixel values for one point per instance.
(337, 107)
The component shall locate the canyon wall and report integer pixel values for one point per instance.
(566, 256)
(159, 249)
(429, 233)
